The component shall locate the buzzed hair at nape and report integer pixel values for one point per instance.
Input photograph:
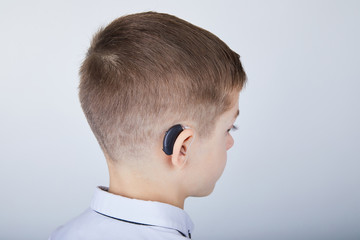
(145, 72)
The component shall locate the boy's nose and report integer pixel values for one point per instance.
(230, 142)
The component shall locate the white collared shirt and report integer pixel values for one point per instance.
(115, 217)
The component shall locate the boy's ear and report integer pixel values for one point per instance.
(181, 148)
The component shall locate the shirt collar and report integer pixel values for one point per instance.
(140, 211)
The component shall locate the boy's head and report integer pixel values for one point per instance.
(146, 72)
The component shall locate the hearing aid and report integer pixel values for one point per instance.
(170, 138)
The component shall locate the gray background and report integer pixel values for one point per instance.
(294, 170)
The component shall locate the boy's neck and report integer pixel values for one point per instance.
(134, 185)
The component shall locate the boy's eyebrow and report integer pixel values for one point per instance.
(237, 113)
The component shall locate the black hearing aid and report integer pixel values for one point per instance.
(170, 138)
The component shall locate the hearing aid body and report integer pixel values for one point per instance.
(171, 136)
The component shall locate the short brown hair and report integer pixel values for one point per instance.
(145, 72)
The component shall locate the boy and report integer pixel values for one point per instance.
(161, 96)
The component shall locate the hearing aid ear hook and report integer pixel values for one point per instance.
(171, 136)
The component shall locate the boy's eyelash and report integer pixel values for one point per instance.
(233, 128)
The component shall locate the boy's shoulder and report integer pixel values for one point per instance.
(105, 220)
(77, 228)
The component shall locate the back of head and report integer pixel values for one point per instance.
(145, 72)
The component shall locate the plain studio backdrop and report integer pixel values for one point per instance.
(294, 171)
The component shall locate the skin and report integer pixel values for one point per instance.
(192, 170)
